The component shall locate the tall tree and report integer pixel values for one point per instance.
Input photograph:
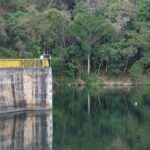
(91, 30)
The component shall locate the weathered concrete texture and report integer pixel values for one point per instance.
(30, 131)
(25, 89)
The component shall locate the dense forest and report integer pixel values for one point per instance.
(98, 36)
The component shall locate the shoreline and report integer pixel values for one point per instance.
(98, 81)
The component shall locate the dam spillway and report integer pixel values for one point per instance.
(26, 85)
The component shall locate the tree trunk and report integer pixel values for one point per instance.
(126, 67)
(88, 2)
(89, 104)
(99, 68)
(106, 68)
(89, 64)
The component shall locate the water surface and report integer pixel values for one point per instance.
(26, 131)
(104, 119)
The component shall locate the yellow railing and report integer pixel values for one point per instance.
(24, 63)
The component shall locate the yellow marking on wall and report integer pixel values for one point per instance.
(24, 63)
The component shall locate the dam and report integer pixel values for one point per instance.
(25, 85)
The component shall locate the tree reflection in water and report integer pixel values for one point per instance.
(102, 120)
(32, 131)
(83, 120)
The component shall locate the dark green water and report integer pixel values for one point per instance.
(104, 119)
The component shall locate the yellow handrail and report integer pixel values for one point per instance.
(24, 63)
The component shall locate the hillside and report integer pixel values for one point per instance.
(98, 36)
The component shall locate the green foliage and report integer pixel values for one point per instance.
(81, 7)
(144, 10)
(111, 38)
(3, 33)
(7, 53)
(91, 31)
(136, 71)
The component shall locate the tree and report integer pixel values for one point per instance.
(3, 33)
(144, 10)
(34, 32)
(120, 13)
(50, 28)
(91, 30)
(139, 39)
(19, 37)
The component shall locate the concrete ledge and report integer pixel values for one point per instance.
(24, 63)
(17, 110)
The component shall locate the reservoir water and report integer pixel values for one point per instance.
(104, 119)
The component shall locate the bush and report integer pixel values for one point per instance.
(136, 71)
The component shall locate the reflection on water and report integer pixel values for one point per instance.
(83, 120)
(102, 120)
(26, 132)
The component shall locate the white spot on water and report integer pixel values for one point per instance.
(135, 103)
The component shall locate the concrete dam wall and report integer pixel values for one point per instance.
(25, 89)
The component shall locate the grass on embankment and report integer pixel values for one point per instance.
(97, 81)
(146, 81)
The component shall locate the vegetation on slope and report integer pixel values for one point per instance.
(111, 37)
